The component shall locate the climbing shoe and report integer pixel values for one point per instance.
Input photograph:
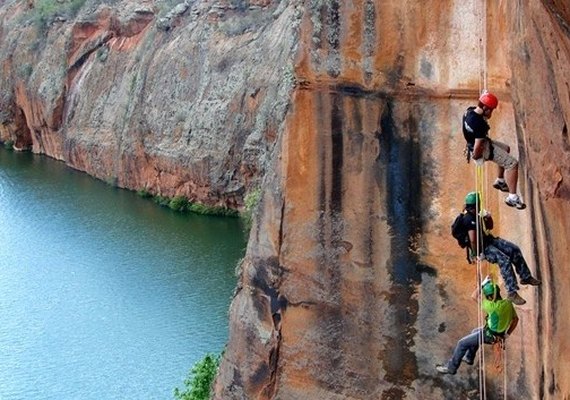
(530, 281)
(501, 185)
(467, 360)
(516, 299)
(444, 370)
(515, 202)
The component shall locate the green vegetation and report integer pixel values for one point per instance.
(212, 210)
(144, 193)
(182, 204)
(162, 200)
(45, 11)
(9, 144)
(198, 384)
(178, 203)
(251, 201)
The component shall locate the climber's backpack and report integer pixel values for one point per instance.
(459, 231)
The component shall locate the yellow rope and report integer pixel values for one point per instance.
(480, 318)
(492, 269)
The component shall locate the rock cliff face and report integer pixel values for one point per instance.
(347, 113)
(351, 287)
(187, 101)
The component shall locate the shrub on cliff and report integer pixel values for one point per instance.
(198, 384)
(250, 205)
(182, 204)
(178, 203)
(212, 210)
(144, 193)
(45, 11)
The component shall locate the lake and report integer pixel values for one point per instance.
(104, 294)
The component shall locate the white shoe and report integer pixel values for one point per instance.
(442, 369)
(515, 201)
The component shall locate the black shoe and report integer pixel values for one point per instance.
(467, 360)
(442, 369)
(531, 281)
(501, 185)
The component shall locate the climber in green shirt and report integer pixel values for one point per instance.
(500, 313)
(501, 321)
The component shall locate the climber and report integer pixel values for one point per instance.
(500, 323)
(482, 148)
(496, 250)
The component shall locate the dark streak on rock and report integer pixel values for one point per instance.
(337, 156)
(400, 157)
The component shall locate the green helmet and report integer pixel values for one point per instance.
(490, 288)
(472, 198)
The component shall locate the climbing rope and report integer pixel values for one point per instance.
(481, 181)
(483, 48)
(481, 229)
(504, 370)
(480, 317)
(492, 268)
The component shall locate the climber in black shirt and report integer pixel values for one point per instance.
(482, 148)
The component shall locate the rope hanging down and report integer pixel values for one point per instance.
(483, 85)
(481, 179)
(480, 317)
(505, 371)
(478, 189)
(483, 48)
(480, 230)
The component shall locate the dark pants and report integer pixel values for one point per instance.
(468, 346)
(507, 254)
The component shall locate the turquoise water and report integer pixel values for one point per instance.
(103, 294)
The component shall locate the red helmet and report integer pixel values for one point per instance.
(489, 100)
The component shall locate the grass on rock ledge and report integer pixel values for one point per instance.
(182, 204)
